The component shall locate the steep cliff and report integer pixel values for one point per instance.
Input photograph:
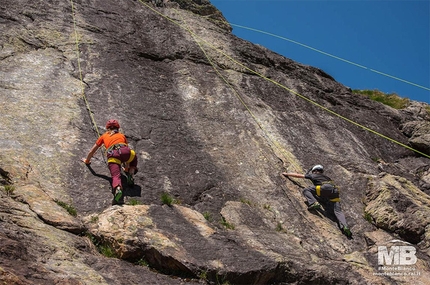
(214, 120)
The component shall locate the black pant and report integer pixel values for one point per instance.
(310, 194)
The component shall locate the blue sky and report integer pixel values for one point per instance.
(353, 41)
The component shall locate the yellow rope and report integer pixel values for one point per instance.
(291, 161)
(333, 56)
(284, 87)
(247, 108)
(254, 117)
(266, 133)
(80, 70)
(242, 101)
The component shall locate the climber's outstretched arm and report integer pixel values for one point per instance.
(292, 174)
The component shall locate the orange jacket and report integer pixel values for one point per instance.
(109, 139)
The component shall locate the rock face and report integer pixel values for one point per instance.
(214, 120)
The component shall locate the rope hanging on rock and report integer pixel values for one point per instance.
(80, 70)
(284, 87)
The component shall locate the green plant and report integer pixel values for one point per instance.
(103, 248)
(143, 262)
(368, 217)
(393, 100)
(133, 202)
(166, 199)
(226, 224)
(376, 159)
(267, 207)
(9, 189)
(220, 280)
(106, 250)
(427, 109)
(203, 275)
(279, 227)
(92, 238)
(245, 201)
(69, 208)
(94, 219)
(207, 216)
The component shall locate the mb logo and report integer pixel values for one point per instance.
(397, 254)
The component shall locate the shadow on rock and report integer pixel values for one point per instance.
(99, 175)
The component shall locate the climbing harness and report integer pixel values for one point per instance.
(328, 190)
(114, 152)
(118, 161)
(117, 146)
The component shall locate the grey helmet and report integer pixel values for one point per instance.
(318, 167)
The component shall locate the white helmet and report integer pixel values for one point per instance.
(318, 167)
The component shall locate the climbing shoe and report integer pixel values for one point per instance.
(118, 194)
(314, 206)
(130, 179)
(347, 232)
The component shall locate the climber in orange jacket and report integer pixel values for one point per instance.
(117, 152)
(322, 188)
